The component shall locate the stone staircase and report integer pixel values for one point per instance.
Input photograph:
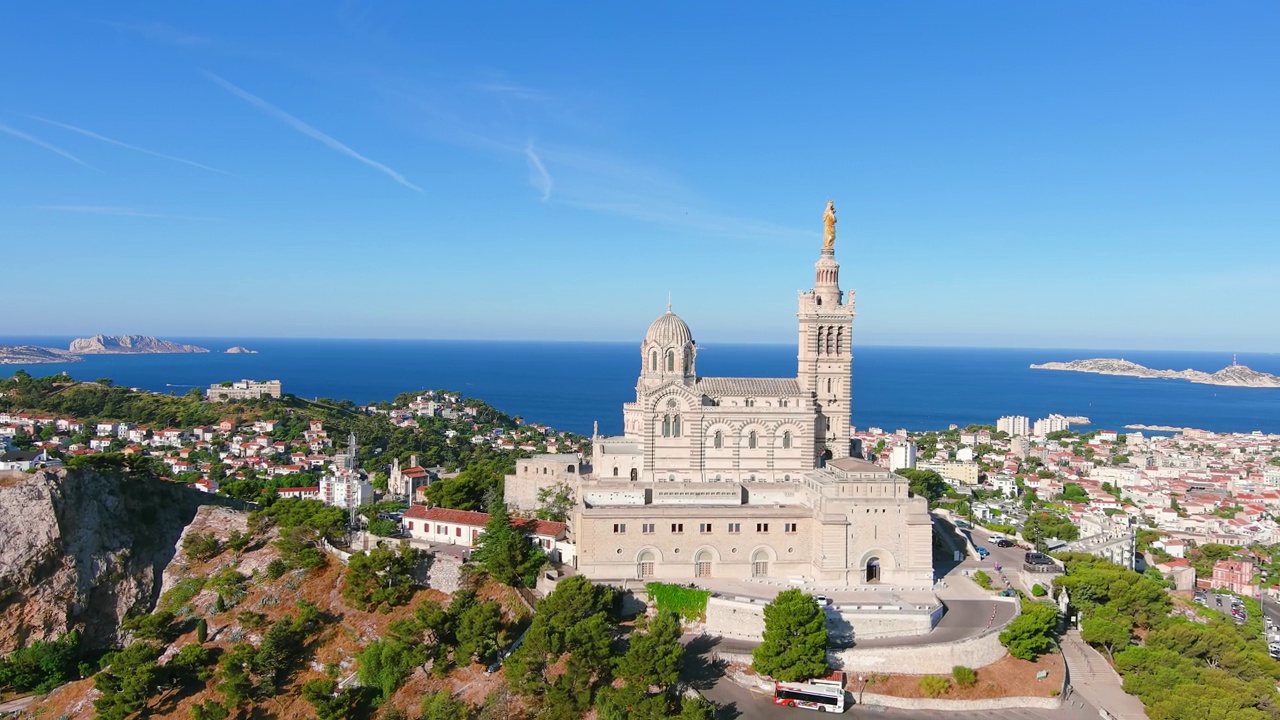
(1093, 678)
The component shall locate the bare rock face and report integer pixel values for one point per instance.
(80, 548)
(122, 344)
(32, 354)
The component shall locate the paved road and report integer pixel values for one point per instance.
(738, 703)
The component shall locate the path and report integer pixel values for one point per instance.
(1093, 679)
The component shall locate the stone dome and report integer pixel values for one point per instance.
(669, 331)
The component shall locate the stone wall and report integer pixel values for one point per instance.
(744, 619)
(445, 573)
(1047, 703)
(930, 659)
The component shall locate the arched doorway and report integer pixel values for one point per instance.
(760, 564)
(873, 570)
(644, 565)
(702, 564)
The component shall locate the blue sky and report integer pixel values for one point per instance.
(1060, 174)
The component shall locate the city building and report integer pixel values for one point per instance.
(243, 390)
(1234, 575)
(465, 527)
(902, 457)
(1014, 425)
(1051, 424)
(742, 478)
(344, 485)
(966, 473)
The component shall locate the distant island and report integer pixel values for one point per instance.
(96, 345)
(1233, 375)
(33, 354)
(1157, 428)
(238, 350)
(127, 344)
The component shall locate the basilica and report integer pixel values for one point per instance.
(740, 478)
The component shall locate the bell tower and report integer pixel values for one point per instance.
(825, 350)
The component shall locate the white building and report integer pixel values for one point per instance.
(465, 527)
(243, 390)
(1006, 484)
(902, 457)
(1014, 425)
(1051, 424)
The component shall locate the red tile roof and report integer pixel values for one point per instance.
(479, 519)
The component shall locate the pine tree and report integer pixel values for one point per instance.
(502, 549)
(202, 631)
(795, 638)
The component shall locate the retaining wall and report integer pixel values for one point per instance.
(1048, 703)
(744, 619)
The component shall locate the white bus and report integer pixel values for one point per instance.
(820, 695)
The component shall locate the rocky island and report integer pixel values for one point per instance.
(33, 354)
(1234, 375)
(122, 344)
(239, 350)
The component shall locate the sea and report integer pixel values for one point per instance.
(571, 385)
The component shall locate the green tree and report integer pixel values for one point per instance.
(655, 654)
(130, 680)
(328, 702)
(555, 502)
(573, 617)
(192, 664)
(1107, 634)
(41, 666)
(477, 633)
(386, 664)
(1032, 633)
(202, 630)
(381, 578)
(795, 638)
(925, 483)
(1074, 492)
(442, 706)
(505, 551)
(201, 546)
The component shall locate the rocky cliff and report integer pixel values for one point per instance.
(79, 548)
(121, 344)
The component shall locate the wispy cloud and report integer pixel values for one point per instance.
(159, 32)
(127, 146)
(37, 141)
(538, 175)
(309, 131)
(120, 212)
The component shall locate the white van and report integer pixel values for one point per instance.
(994, 537)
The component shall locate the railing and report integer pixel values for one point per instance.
(1041, 568)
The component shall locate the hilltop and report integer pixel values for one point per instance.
(33, 354)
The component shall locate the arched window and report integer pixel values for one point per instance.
(671, 361)
(685, 363)
(786, 440)
(750, 402)
(635, 474)
(828, 341)
(666, 426)
(615, 472)
(675, 426)
(644, 565)
(760, 564)
(839, 337)
(718, 440)
(819, 346)
(751, 440)
(653, 361)
(828, 385)
(702, 564)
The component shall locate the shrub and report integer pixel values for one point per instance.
(688, 603)
(934, 685)
(201, 546)
(982, 579)
(276, 568)
(181, 593)
(1031, 634)
(964, 677)
(1038, 590)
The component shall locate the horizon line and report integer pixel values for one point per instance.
(4, 338)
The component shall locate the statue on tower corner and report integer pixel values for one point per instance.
(829, 227)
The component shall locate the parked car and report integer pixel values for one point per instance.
(823, 600)
(1004, 543)
(1035, 558)
(983, 552)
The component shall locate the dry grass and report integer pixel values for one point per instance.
(1007, 677)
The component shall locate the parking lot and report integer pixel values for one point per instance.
(1228, 604)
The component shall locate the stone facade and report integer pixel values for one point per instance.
(741, 477)
(532, 475)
